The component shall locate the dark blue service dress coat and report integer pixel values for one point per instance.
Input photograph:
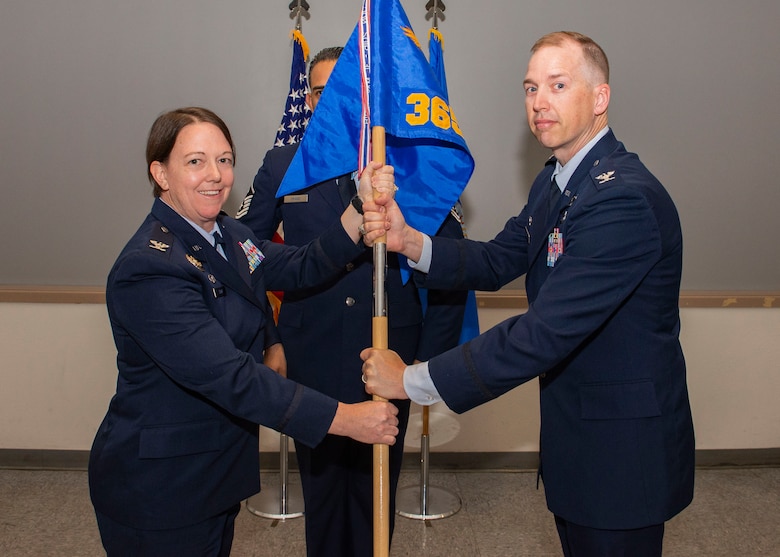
(323, 331)
(331, 323)
(601, 333)
(179, 442)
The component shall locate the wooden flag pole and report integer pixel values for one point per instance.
(379, 332)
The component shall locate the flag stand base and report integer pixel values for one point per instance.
(426, 502)
(288, 502)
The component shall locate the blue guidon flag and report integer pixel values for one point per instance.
(470, 328)
(382, 78)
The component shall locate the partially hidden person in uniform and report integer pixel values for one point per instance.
(178, 448)
(329, 325)
(600, 245)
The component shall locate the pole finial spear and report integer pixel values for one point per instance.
(436, 11)
(299, 9)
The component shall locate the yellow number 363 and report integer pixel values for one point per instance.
(434, 110)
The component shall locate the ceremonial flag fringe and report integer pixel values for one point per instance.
(424, 143)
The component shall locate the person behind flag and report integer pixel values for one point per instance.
(600, 245)
(323, 331)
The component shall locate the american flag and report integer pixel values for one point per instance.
(296, 113)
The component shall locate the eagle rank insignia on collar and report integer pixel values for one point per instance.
(159, 246)
(606, 177)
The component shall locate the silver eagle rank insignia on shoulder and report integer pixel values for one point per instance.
(158, 245)
(605, 177)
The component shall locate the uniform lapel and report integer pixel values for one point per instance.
(539, 240)
(199, 248)
(541, 223)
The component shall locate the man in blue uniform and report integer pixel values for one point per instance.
(324, 329)
(601, 248)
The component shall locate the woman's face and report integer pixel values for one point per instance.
(197, 178)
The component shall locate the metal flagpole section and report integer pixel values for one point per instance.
(288, 501)
(379, 331)
(285, 503)
(424, 501)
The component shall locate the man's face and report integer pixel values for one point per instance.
(317, 80)
(564, 104)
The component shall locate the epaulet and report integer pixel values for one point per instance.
(161, 240)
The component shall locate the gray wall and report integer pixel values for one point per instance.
(694, 84)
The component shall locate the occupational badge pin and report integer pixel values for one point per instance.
(198, 265)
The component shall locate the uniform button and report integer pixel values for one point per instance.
(350, 266)
(543, 375)
(350, 301)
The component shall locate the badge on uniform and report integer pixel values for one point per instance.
(606, 177)
(253, 255)
(300, 198)
(158, 245)
(554, 246)
(197, 264)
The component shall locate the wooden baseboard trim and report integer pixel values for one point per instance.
(503, 299)
(40, 459)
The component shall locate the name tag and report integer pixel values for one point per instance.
(300, 198)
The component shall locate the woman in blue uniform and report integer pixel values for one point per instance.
(178, 449)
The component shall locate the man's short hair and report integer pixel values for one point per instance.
(329, 53)
(591, 51)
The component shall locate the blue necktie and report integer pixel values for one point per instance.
(555, 196)
(220, 242)
(347, 189)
